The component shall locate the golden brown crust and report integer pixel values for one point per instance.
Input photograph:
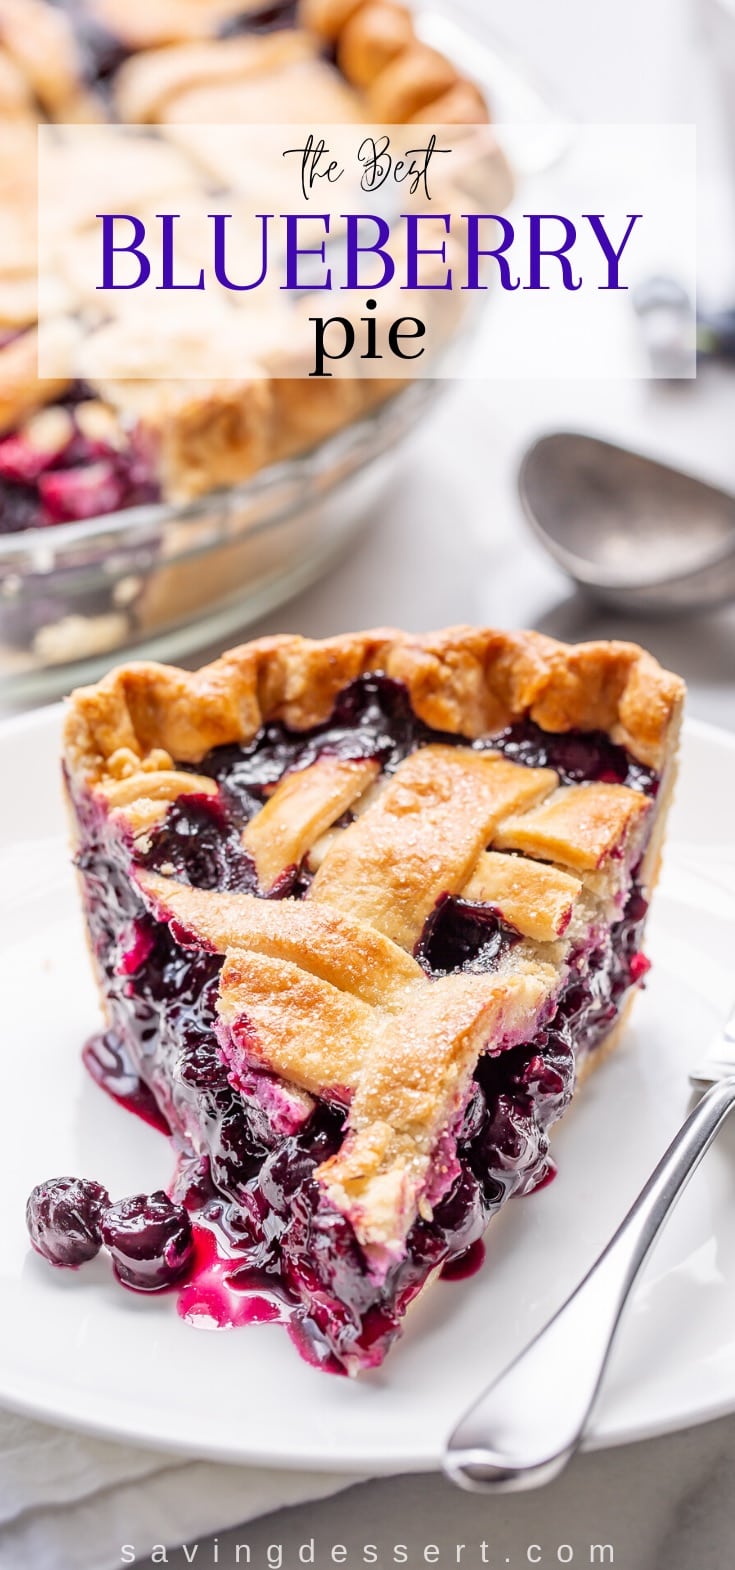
(304, 804)
(371, 39)
(413, 1083)
(41, 42)
(285, 97)
(348, 954)
(16, 99)
(326, 18)
(535, 897)
(21, 392)
(461, 104)
(330, 1005)
(307, 412)
(469, 681)
(313, 1034)
(208, 434)
(378, 51)
(581, 827)
(148, 83)
(416, 77)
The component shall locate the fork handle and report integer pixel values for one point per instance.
(530, 1420)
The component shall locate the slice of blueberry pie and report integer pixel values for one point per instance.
(362, 912)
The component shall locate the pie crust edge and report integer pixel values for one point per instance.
(471, 681)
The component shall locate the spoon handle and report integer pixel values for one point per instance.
(528, 1424)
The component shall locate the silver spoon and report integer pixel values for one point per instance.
(635, 533)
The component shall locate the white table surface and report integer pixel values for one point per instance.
(450, 546)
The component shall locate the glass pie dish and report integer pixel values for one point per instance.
(122, 570)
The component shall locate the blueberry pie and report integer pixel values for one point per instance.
(362, 912)
(73, 449)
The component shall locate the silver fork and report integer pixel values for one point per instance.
(529, 1422)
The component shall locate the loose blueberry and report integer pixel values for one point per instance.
(150, 1240)
(63, 1219)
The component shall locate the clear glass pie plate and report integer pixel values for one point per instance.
(160, 580)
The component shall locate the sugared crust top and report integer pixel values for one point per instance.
(465, 680)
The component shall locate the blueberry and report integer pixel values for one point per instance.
(199, 845)
(63, 1218)
(461, 1215)
(150, 1240)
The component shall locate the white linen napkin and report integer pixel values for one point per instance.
(69, 1502)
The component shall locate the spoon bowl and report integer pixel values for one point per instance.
(635, 533)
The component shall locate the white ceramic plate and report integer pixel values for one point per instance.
(77, 1349)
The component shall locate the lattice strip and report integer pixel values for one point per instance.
(346, 953)
(286, 1019)
(304, 804)
(534, 897)
(581, 827)
(422, 836)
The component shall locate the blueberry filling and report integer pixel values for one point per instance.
(460, 935)
(200, 845)
(373, 718)
(266, 18)
(577, 756)
(57, 473)
(236, 1170)
(107, 1061)
(19, 507)
(102, 52)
